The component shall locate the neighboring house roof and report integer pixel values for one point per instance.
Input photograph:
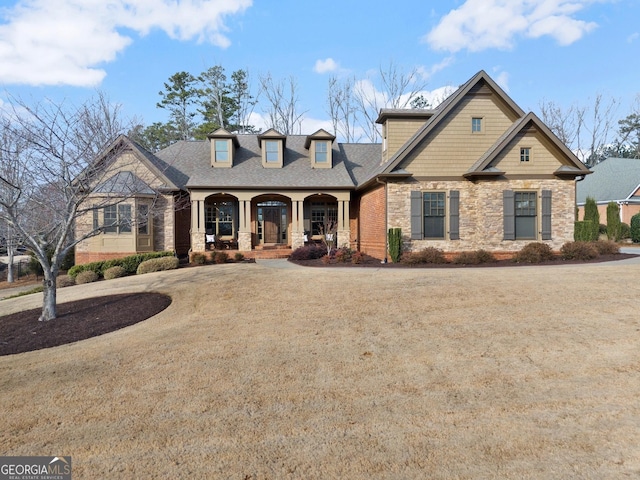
(193, 158)
(613, 179)
(124, 183)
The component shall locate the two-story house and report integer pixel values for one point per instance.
(475, 172)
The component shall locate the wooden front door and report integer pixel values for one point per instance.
(272, 224)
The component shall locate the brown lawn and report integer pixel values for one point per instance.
(256, 372)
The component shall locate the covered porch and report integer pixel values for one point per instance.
(266, 224)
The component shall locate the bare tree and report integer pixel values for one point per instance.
(282, 99)
(44, 191)
(342, 108)
(393, 88)
(244, 102)
(586, 129)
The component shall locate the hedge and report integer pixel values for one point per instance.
(129, 263)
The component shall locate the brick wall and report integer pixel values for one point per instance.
(371, 224)
(88, 257)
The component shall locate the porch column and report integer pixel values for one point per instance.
(297, 224)
(244, 227)
(344, 234)
(197, 226)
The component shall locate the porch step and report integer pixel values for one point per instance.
(269, 253)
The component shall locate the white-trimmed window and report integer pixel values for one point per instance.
(321, 151)
(143, 219)
(525, 154)
(272, 151)
(476, 125)
(221, 152)
(219, 218)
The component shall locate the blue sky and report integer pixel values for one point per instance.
(561, 50)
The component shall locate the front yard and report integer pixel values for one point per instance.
(258, 372)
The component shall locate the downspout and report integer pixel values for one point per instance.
(386, 226)
(575, 196)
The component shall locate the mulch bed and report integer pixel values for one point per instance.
(374, 262)
(79, 320)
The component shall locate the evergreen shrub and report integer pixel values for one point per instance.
(634, 228)
(88, 276)
(157, 265)
(114, 272)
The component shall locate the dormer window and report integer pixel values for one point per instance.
(272, 144)
(272, 151)
(223, 144)
(319, 146)
(321, 151)
(221, 150)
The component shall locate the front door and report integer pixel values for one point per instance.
(272, 224)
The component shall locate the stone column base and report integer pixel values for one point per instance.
(297, 240)
(344, 238)
(244, 241)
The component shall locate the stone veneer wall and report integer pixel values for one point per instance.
(481, 213)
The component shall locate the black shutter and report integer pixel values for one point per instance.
(509, 214)
(416, 215)
(454, 215)
(546, 215)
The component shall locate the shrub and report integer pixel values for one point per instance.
(219, 257)
(583, 231)
(88, 276)
(625, 231)
(114, 272)
(129, 263)
(579, 251)
(308, 252)
(535, 252)
(613, 221)
(357, 258)
(606, 247)
(343, 255)
(157, 265)
(65, 281)
(238, 257)
(395, 244)
(199, 258)
(326, 259)
(474, 258)
(591, 214)
(635, 228)
(428, 255)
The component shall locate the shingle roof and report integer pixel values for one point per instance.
(612, 179)
(124, 183)
(351, 162)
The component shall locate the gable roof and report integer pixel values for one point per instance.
(124, 183)
(613, 179)
(483, 166)
(170, 177)
(439, 114)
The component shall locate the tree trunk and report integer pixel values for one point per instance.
(10, 278)
(49, 300)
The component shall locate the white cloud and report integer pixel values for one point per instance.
(326, 65)
(633, 37)
(482, 24)
(57, 42)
